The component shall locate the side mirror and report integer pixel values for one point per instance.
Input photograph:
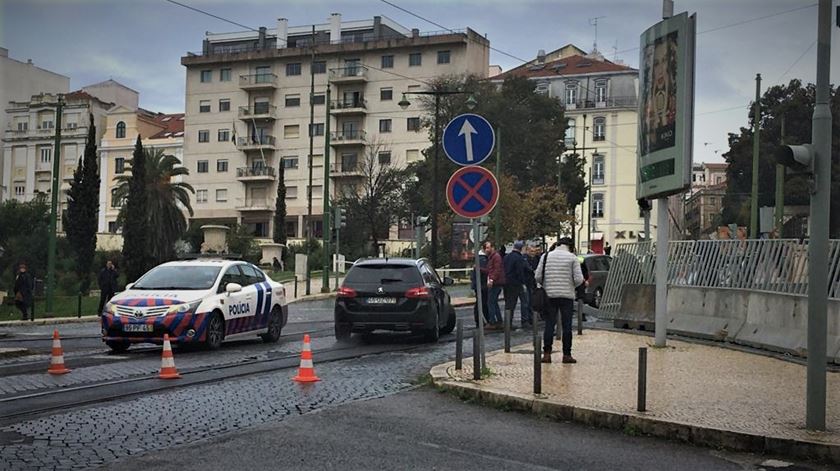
(447, 281)
(233, 288)
(129, 286)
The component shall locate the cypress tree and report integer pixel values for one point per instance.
(280, 207)
(135, 241)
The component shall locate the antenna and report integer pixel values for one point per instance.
(594, 22)
(615, 51)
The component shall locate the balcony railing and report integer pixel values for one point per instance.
(346, 167)
(258, 81)
(340, 136)
(254, 141)
(258, 112)
(349, 73)
(348, 104)
(246, 172)
(609, 102)
(254, 204)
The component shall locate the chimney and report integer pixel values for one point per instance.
(415, 33)
(261, 38)
(541, 56)
(335, 27)
(377, 27)
(282, 32)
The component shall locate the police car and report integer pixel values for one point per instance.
(201, 301)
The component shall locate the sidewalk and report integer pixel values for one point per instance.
(709, 396)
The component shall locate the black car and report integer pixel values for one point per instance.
(393, 294)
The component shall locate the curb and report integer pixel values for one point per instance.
(13, 352)
(634, 423)
(50, 321)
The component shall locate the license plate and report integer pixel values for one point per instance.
(382, 301)
(138, 328)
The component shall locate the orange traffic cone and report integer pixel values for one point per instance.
(306, 373)
(57, 358)
(167, 361)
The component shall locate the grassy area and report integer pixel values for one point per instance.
(63, 306)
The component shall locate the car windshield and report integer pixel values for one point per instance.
(182, 277)
(383, 274)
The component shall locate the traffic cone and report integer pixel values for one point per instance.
(306, 373)
(57, 358)
(167, 361)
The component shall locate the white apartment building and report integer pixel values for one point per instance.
(248, 111)
(601, 109)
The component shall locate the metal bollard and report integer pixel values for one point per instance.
(296, 283)
(508, 322)
(476, 358)
(79, 306)
(641, 400)
(580, 316)
(537, 363)
(459, 344)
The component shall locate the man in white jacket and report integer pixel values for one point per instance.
(562, 275)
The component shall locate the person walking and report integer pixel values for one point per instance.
(559, 274)
(495, 284)
(482, 264)
(516, 276)
(526, 312)
(107, 284)
(24, 292)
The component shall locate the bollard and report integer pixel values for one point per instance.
(79, 306)
(580, 316)
(537, 363)
(508, 322)
(459, 344)
(476, 358)
(642, 389)
(296, 283)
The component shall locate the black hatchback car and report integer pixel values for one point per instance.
(396, 294)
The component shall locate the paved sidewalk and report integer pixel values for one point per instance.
(702, 394)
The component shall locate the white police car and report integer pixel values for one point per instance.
(196, 301)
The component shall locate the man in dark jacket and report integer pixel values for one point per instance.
(24, 292)
(516, 276)
(495, 284)
(107, 284)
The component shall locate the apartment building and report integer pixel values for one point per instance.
(704, 202)
(248, 111)
(601, 109)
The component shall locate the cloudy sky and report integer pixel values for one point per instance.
(140, 42)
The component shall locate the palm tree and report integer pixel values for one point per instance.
(167, 202)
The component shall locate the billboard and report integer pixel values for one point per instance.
(666, 107)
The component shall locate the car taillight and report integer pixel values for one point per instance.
(418, 293)
(345, 292)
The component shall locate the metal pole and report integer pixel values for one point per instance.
(641, 392)
(756, 137)
(818, 243)
(498, 210)
(661, 270)
(646, 214)
(459, 344)
(478, 305)
(435, 184)
(580, 316)
(589, 190)
(780, 190)
(418, 229)
(54, 209)
(476, 358)
(325, 281)
(537, 362)
(309, 235)
(508, 319)
(296, 283)
(338, 268)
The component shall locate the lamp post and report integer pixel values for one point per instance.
(404, 104)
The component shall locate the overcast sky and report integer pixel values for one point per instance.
(140, 42)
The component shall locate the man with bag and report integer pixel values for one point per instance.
(558, 274)
(24, 292)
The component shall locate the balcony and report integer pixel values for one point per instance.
(256, 143)
(348, 107)
(256, 174)
(258, 112)
(254, 204)
(345, 169)
(258, 82)
(609, 102)
(348, 138)
(350, 74)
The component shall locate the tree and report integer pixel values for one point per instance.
(135, 226)
(573, 185)
(23, 237)
(166, 202)
(80, 219)
(545, 212)
(280, 207)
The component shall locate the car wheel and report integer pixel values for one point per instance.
(215, 331)
(433, 334)
(275, 326)
(118, 347)
(343, 331)
(596, 300)
(450, 322)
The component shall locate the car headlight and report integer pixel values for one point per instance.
(185, 307)
(110, 308)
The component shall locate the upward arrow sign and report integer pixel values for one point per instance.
(467, 130)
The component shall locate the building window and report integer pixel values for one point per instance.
(386, 94)
(316, 129)
(571, 93)
(202, 166)
(319, 67)
(388, 62)
(319, 99)
(224, 75)
(384, 125)
(291, 192)
(20, 190)
(224, 104)
(222, 165)
(600, 129)
(385, 158)
(112, 227)
(293, 68)
(120, 130)
(224, 135)
(415, 59)
(204, 106)
(317, 191)
(412, 155)
(542, 88)
(597, 205)
(261, 106)
(600, 91)
(115, 202)
(206, 76)
(290, 162)
(263, 74)
(291, 131)
(292, 100)
(200, 196)
(204, 135)
(119, 165)
(598, 169)
(412, 124)
(46, 155)
(22, 125)
(221, 195)
(443, 57)
(570, 133)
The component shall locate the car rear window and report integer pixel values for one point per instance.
(383, 274)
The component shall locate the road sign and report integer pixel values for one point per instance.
(468, 139)
(472, 191)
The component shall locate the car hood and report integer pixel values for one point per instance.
(145, 298)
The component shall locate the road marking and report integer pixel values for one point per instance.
(482, 455)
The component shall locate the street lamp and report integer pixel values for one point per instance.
(404, 104)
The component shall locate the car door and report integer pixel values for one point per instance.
(434, 284)
(262, 296)
(253, 296)
(234, 304)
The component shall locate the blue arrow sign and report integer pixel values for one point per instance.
(468, 139)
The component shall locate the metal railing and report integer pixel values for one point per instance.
(357, 135)
(255, 141)
(258, 204)
(351, 166)
(350, 71)
(242, 172)
(258, 111)
(258, 79)
(609, 102)
(770, 265)
(348, 104)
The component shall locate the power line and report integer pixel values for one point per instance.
(796, 61)
(211, 15)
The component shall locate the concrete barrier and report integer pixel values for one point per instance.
(638, 305)
(698, 313)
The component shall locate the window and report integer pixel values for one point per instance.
(385, 158)
(349, 162)
(204, 106)
(571, 93)
(112, 227)
(384, 125)
(46, 155)
(224, 135)
(291, 131)
(22, 125)
(598, 169)
(204, 135)
(600, 91)
(120, 130)
(542, 88)
(443, 57)
(200, 196)
(119, 165)
(412, 124)
(388, 62)
(415, 59)
(291, 192)
(115, 201)
(221, 195)
(292, 100)
(20, 190)
(319, 67)
(319, 99)
(316, 129)
(599, 131)
(261, 106)
(222, 165)
(317, 191)
(412, 155)
(206, 76)
(597, 205)
(290, 162)
(224, 75)
(570, 132)
(224, 104)
(386, 94)
(202, 166)
(263, 74)
(293, 68)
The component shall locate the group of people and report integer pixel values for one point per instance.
(518, 274)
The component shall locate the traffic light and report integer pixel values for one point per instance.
(644, 204)
(340, 217)
(797, 159)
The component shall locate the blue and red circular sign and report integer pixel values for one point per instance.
(472, 191)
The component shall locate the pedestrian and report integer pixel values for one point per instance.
(495, 284)
(559, 273)
(24, 292)
(482, 264)
(107, 284)
(276, 265)
(607, 248)
(531, 256)
(516, 276)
